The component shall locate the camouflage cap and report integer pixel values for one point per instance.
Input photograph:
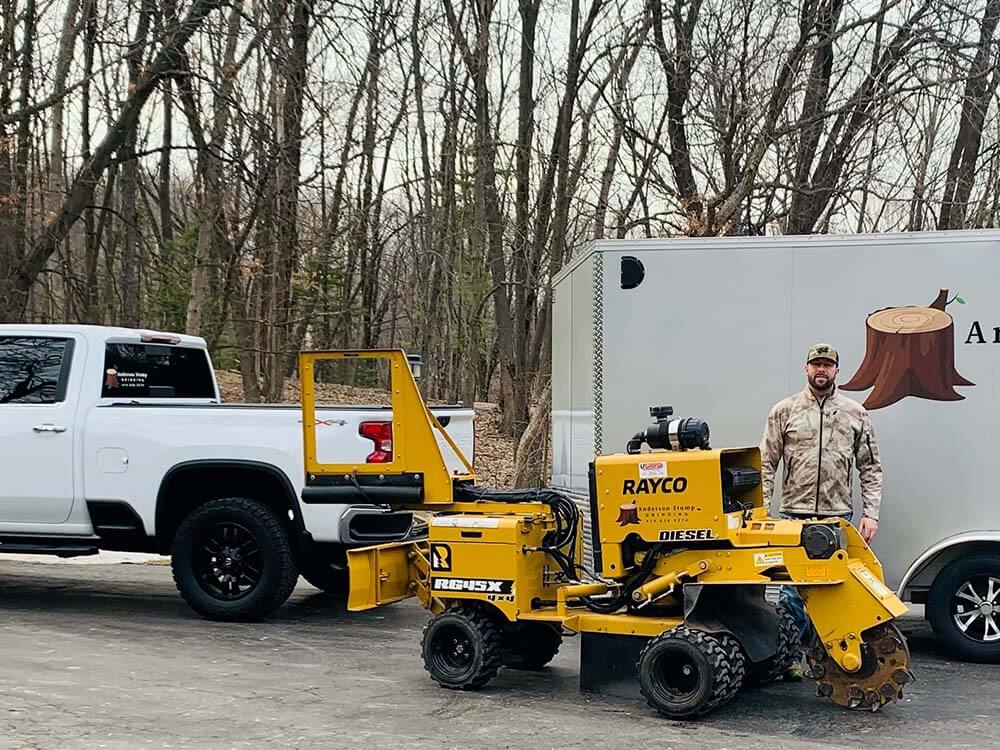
(823, 351)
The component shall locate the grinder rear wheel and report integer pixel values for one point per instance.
(685, 673)
(530, 645)
(461, 648)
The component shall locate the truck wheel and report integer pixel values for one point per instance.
(461, 648)
(685, 673)
(788, 648)
(325, 575)
(964, 608)
(232, 560)
(529, 645)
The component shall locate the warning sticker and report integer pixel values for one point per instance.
(871, 582)
(767, 559)
(650, 469)
(466, 522)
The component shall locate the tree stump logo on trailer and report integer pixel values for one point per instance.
(909, 351)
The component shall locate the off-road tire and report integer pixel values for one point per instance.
(788, 650)
(529, 645)
(684, 673)
(461, 648)
(737, 673)
(277, 572)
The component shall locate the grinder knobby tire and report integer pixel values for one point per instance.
(685, 673)
(461, 648)
(786, 655)
(734, 677)
(529, 645)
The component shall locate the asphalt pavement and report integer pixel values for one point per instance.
(109, 656)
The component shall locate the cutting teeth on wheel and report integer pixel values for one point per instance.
(885, 669)
(903, 676)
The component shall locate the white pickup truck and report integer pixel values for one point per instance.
(116, 439)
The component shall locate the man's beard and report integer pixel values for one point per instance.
(821, 388)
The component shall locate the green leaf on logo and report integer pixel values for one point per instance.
(959, 300)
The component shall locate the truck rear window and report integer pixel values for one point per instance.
(156, 371)
(34, 369)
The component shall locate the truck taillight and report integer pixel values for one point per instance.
(379, 433)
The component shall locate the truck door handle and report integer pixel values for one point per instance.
(49, 428)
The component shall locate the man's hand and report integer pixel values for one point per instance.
(868, 528)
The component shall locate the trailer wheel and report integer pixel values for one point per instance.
(964, 608)
(232, 560)
(788, 648)
(685, 673)
(461, 648)
(529, 645)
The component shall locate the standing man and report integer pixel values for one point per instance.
(818, 434)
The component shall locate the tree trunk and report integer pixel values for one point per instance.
(287, 196)
(489, 221)
(67, 42)
(622, 70)
(129, 314)
(91, 291)
(531, 464)
(678, 67)
(980, 88)
(811, 121)
(13, 282)
(164, 182)
(214, 193)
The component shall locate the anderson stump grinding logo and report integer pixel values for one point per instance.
(909, 351)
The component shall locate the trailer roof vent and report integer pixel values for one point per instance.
(632, 272)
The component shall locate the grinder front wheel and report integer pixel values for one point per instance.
(685, 673)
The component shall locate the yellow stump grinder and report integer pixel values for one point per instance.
(683, 551)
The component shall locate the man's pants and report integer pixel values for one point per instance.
(789, 598)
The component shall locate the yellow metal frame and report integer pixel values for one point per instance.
(414, 446)
(501, 543)
(844, 594)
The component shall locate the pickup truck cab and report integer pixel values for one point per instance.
(113, 438)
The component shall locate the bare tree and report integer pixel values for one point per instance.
(17, 282)
(980, 89)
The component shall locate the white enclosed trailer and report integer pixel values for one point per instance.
(719, 328)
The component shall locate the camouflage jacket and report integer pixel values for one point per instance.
(819, 441)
